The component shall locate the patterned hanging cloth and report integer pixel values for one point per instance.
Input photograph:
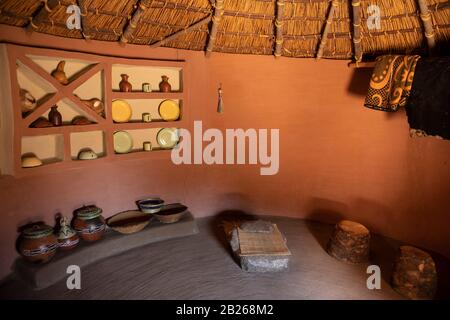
(391, 82)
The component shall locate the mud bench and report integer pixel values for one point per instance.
(112, 243)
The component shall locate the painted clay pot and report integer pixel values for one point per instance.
(67, 237)
(59, 74)
(38, 243)
(124, 85)
(54, 116)
(89, 223)
(164, 85)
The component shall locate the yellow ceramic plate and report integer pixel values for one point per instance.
(167, 137)
(169, 110)
(121, 111)
(123, 142)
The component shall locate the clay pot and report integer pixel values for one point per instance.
(89, 223)
(38, 243)
(96, 105)
(54, 116)
(59, 73)
(164, 85)
(27, 101)
(124, 85)
(41, 122)
(80, 120)
(67, 237)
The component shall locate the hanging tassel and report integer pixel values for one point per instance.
(220, 104)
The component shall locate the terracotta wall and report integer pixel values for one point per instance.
(337, 158)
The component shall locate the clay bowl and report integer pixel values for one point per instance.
(150, 205)
(127, 222)
(171, 213)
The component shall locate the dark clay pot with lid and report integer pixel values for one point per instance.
(89, 223)
(38, 244)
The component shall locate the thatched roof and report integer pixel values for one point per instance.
(291, 28)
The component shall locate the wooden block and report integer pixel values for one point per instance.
(112, 243)
(414, 275)
(350, 242)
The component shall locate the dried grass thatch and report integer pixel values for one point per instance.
(245, 26)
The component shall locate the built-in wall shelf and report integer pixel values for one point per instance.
(89, 76)
(147, 95)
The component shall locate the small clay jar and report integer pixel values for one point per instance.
(38, 243)
(67, 237)
(59, 74)
(89, 223)
(124, 85)
(164, 85)
(54, 116)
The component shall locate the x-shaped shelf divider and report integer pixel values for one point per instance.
(62, 91)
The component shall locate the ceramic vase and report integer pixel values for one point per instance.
(59, 74)
(124, 85)
(54, 116)
(164, 85)
(67, 237)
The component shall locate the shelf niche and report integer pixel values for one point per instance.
(49, 148)
(94, 140)
(147, 74)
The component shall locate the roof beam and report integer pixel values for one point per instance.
(356, 5)
(127, 33)
(279, 28)
(42, 14)
(428, 31)
(175, 35)
(323, 39)
(218, 11)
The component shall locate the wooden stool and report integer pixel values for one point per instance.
(414, 275)
(350, 242)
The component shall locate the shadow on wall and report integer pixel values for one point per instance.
(359, 82)
(324, 210)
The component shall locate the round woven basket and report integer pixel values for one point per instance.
(130, 221)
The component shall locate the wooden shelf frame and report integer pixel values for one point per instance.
(98, 63)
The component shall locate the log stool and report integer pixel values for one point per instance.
(414, 275)
(350, 242)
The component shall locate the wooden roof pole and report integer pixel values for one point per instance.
(83, 10)
(42, 14)
(323, 39)
(356, 5)
(279, 30)
(127, 33)
(425, 15)
(218, 11)
(181, 32)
